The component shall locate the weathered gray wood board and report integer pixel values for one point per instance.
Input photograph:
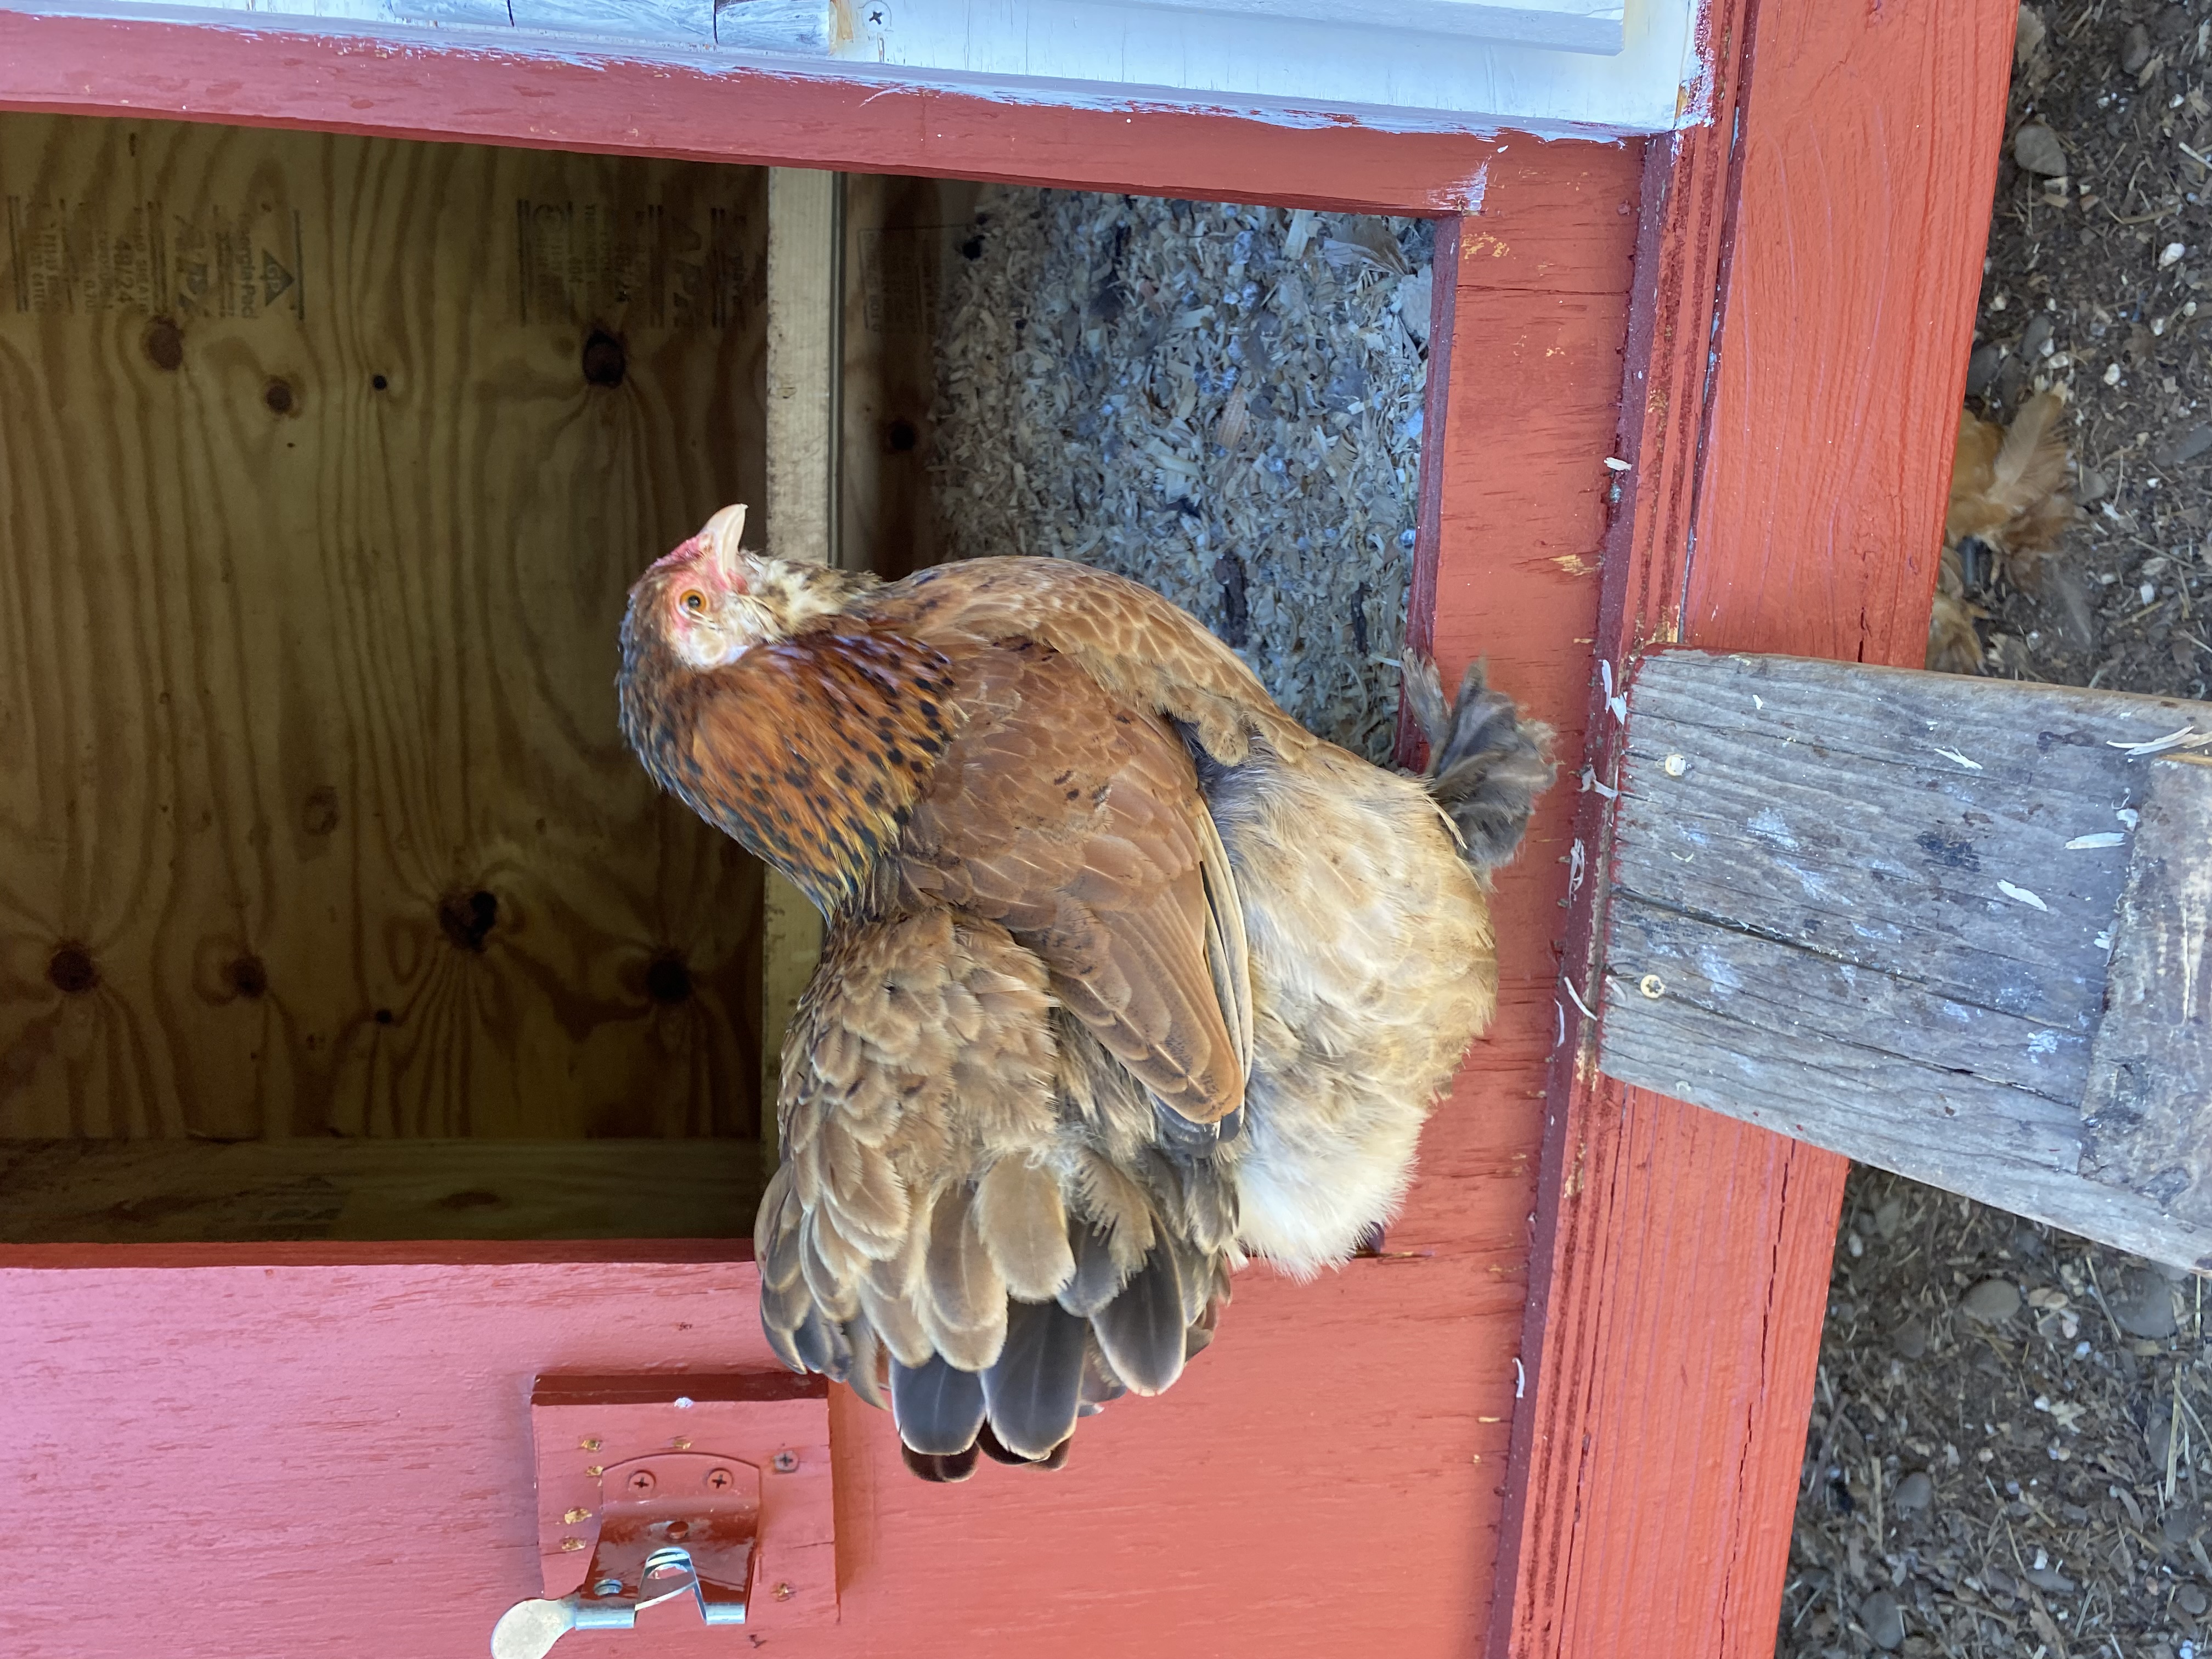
(140, 1192)
(2148, 1105)
(1874, 909)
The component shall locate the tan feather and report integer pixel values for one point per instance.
(965, 1309)
(893, 1315)
(1227, 952)
(1132, 643)
(1018, 1214)
(862, 1191)
(1118, 1207)
(831, 1267)
(1955, 644)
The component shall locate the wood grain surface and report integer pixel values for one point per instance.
(1353, 1438)
(1871, 909)
(338, 1461)
(1531, 307)
(602, 102)
(2147, 1111)
(1808, 280)
(904, 240)
(146, 1192)
(324, 464)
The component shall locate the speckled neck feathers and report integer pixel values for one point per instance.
(811, 752)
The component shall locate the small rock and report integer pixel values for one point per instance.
(2046, 1578)
(1909, 1339)
(1982, 367)
(1883, 1621)
(2036, 149)
(2175, 23)
(2179, 1525)
(1914, 1493)
(2093, 487)
(1992, 1302)
(2027, 1241)
(2035, 336)
(2187, 447)
(2192, 1600)
(1889, 1217)
(2136, 52)
(2027, 36)
(2172, 1273)
(2142, 1305)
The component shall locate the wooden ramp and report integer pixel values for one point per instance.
(1955, 928)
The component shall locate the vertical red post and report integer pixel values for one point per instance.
(1796, 364)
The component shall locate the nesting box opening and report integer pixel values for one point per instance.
(334, 906)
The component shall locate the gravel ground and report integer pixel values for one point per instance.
(2009, 1451)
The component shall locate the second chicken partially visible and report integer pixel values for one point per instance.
(2009, 505)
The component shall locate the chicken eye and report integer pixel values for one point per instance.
(694, 602)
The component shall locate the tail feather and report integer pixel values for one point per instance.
(1486, 765)
(938, 1407)
(1031, 1393)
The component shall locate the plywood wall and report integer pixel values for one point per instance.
(903, 238)
(325, 464)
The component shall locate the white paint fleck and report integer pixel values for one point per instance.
(1520, 1378)
(1953, 754)
(2104, 941)
(1615, 463)
(2128, 816)
(2023, 896)
(2102, 838)
(2186, 737)
(1758, 702)
(1576, 997)
(2043, 1042)
(1768, 825)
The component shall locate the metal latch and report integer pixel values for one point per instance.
(718, 1495)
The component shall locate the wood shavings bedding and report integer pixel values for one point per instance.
(1224, 401)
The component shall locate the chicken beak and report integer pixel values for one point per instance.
(721, 536)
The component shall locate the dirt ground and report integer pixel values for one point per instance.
(2009, 1450)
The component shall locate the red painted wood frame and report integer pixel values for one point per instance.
(299, 1434)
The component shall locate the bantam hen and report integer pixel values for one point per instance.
(2009, 506)
(1126, 973)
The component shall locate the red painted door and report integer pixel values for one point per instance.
(259, 1451)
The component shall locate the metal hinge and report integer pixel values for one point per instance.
(656, 1493)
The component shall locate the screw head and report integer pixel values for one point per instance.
(786, 1462)
(572, 1545)
(575, 1515)
(783, 1592)
(719, 1480)
(642, 1480)
(607, 1587)
(1652, 986)
(1677, 765)
(588, 1445)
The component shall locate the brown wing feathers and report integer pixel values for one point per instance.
(996, 1206)
(946, 1207)
(1079, 827)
